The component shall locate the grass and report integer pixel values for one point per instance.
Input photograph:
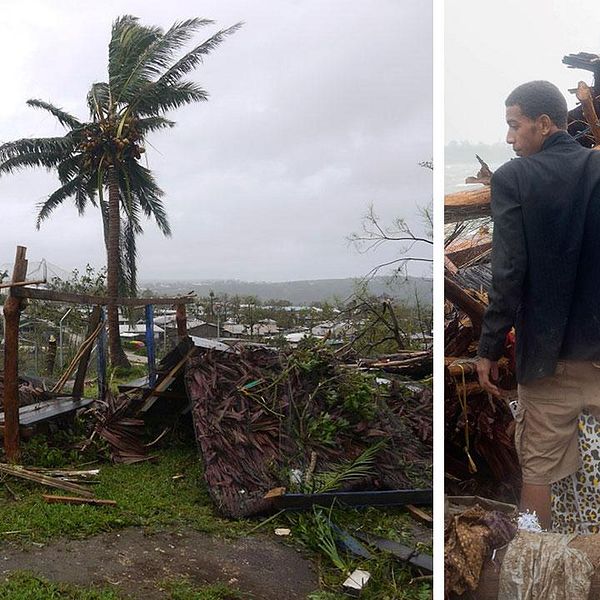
(182, 589)
(23, 585)
(146, 495)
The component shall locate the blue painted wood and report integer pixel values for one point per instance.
(150, 350)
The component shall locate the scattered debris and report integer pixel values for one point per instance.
(356, 581)
(77, 500)
(18, 471)
(282, 531)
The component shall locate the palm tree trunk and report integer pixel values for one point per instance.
(117, 355)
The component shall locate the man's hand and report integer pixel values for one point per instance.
(485, 368)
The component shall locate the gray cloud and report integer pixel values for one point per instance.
(316, 110)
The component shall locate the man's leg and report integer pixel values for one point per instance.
(537, 498)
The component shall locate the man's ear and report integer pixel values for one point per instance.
(545, 124)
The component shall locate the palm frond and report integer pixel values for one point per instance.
(148, 124)
(58, 146)
(148, 195)
(98, 100)
(128, 258)
(69, 167)
(129, 41)
(156, 57)
(64, 118)
(56, 198)
(159, 97)
(360, 467)
(28, 160)
(188, 62)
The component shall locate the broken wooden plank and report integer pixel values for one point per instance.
(166, 381)
(459, 297)
(18, 471)
(420, 515)
(76, 500)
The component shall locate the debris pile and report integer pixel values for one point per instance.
(265, 419)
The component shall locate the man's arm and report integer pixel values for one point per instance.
(509, 266)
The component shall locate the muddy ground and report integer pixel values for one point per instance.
(135, 562)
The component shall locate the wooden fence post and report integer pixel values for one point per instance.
(180, 319)
(12, 315)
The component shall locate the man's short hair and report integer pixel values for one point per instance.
(536, 98)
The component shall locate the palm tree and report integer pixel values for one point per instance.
(145, 80)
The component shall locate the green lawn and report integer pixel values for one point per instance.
(151, 495)
(27, 586)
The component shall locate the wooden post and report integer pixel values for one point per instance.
(150, 344)
(85, 358)
(180, 319)
(12, 314)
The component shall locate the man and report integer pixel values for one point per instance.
(545, 283)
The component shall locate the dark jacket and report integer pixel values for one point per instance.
(546, 258)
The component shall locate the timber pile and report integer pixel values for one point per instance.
(415, 364)
(260, 416)
(480, 454)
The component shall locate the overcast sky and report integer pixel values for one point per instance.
(493, 46)
(317, 109)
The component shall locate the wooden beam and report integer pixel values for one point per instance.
(12, 315)
(54, 296)
(181, 320)
(21, 283)
(463, 206)
(474, 309)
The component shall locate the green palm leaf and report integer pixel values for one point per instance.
(191, 60)
(56, 198)
(64, 118)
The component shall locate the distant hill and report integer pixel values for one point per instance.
(299, 292)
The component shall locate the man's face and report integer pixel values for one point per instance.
(525, 135)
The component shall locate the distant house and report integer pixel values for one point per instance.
(266, 327)
(203, 329)
(138, 331)
(333, 329)
(296, 337)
